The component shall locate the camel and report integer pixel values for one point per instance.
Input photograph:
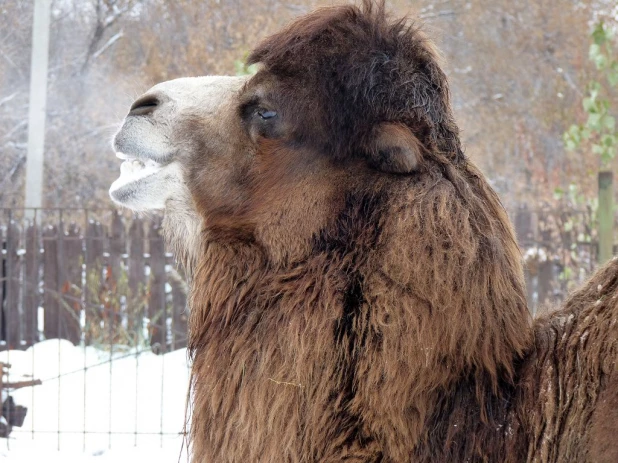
(357, 292)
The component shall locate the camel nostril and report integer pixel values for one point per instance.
(144, 105)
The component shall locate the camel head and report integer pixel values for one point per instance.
(273, 155)
(156, 144)
(152, 140)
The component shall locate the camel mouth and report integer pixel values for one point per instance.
(134, 169)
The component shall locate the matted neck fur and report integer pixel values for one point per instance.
(357, 291)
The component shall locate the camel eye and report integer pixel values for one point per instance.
(261, 122)
(267, 114)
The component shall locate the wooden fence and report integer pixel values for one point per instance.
(560, 249)
(93, 277)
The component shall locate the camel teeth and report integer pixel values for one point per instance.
(126, 167)
(133, 170)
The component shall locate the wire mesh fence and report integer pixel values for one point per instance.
(91, 399)
(93, 307)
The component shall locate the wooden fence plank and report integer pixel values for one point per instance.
(117, 241)
(51, 301)
(3, 273)
(523, 225)
(61, 273)
(530, 290)
(156, 302)
(114, 272)
(137, 283)
(545, 284)
(31, 299)
(525, 235)
(94, 238)
(136, 253)
(71, 287)
(545, 288)
(13, 287)
(180, 313)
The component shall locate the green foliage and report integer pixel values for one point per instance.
(573, 195)
(599, 131)
(241, 68)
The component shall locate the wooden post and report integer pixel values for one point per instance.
(606, 216)
(546, 267)
(94, 245)
(523, 226)
(545, 290)
(180, 312)
(114, 274)
(95, 237)
(156, 302)
(116, 246)
(71, 286)
(31, 286)
(13, 286)
(3, 273)
(136, 255)
(51, 304)
(525, 238)
(137, 284)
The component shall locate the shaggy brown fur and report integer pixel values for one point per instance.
(568, 387)
(359, 296)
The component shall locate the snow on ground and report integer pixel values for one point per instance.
(137, 392)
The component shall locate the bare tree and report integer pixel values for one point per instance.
(517, 71)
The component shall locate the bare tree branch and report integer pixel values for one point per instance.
(108, 44)
(6, 99)
(104, 21)
(11, 174)
(15, 128)
(437, 14)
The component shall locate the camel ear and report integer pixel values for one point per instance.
(394, 150)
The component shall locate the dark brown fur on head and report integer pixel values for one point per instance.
(344, 70)
(359, 296)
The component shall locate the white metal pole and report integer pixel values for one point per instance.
(38, 104)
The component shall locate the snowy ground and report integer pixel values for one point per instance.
(123, 405)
